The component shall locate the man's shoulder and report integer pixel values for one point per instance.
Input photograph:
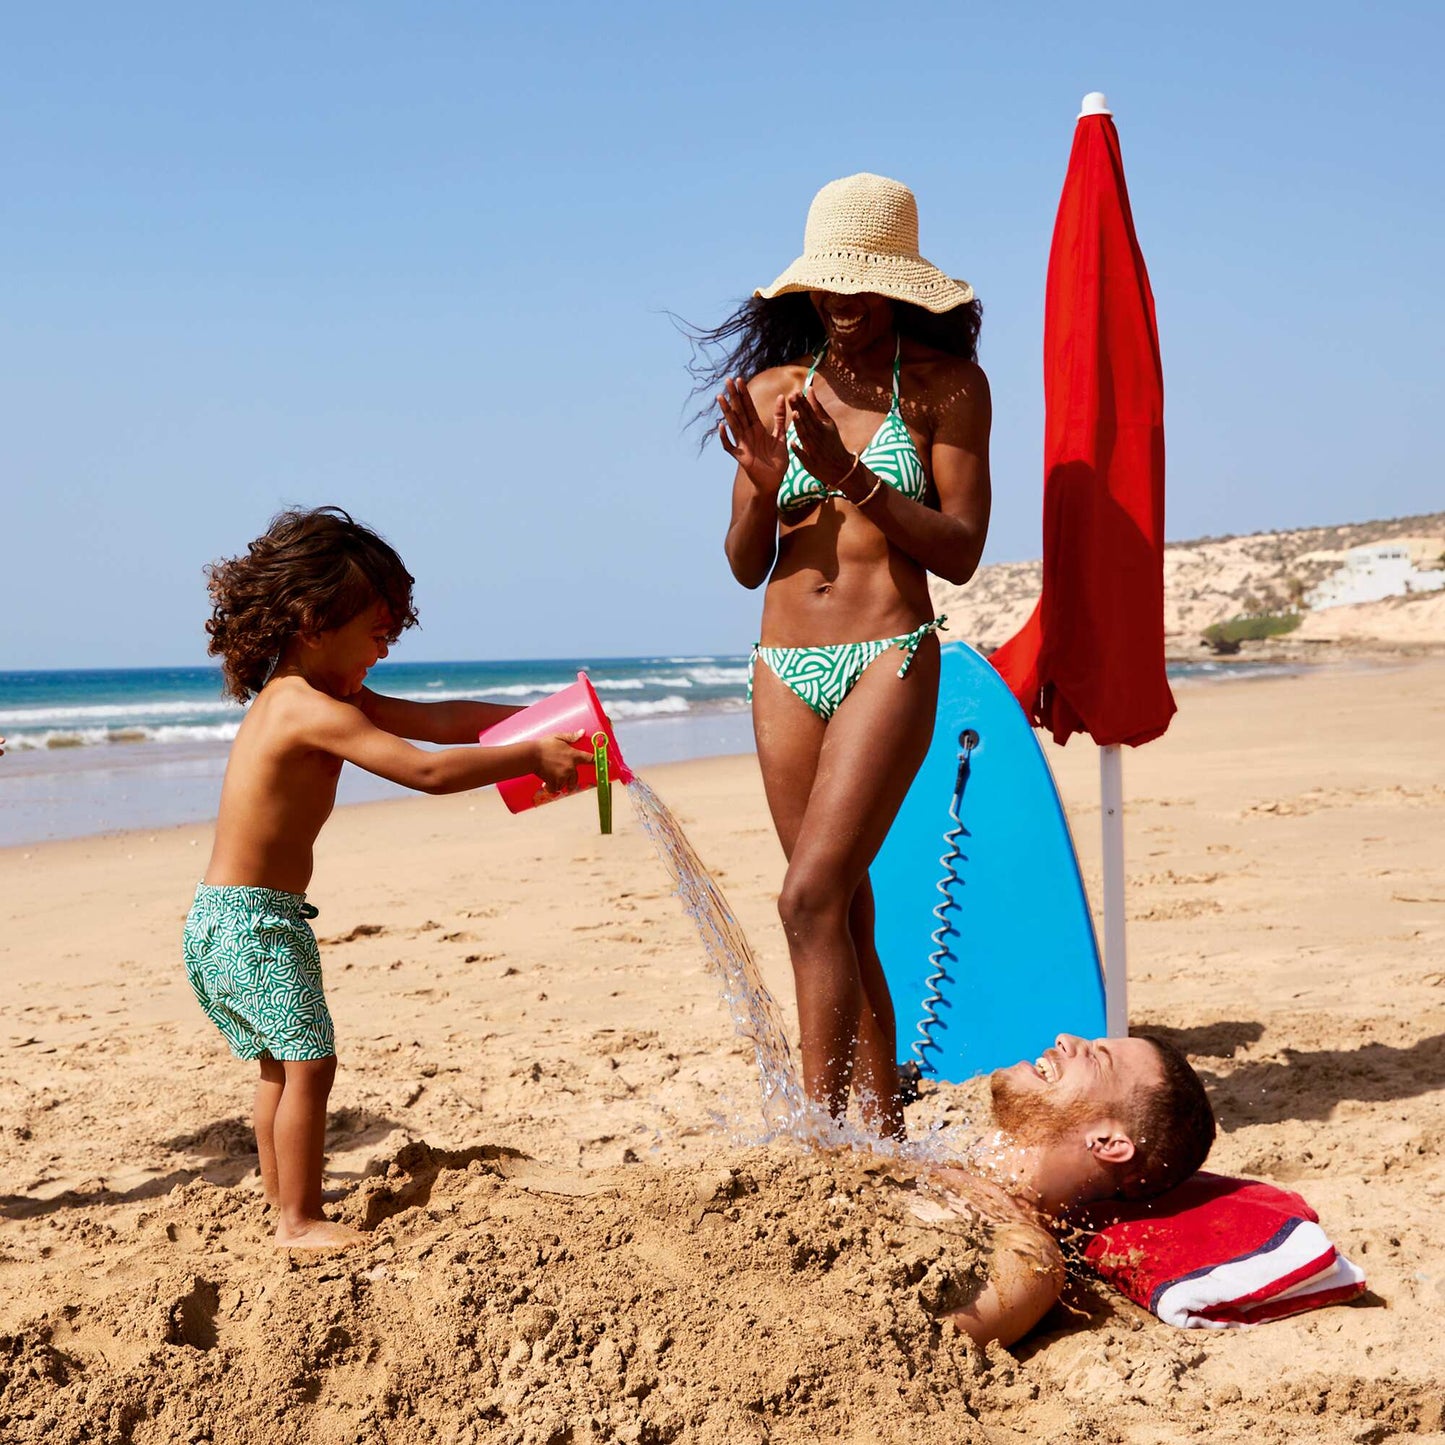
(1025, 1264)
(1031, 1241)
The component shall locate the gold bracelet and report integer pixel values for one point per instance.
(838, 485)
(872, 492)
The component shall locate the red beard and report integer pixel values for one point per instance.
(1036, 1116)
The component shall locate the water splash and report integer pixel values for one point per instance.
(755, 1012)
(786, 1112)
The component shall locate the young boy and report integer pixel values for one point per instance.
(298, 622)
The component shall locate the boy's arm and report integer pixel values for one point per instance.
(430, 722)
(344, 731)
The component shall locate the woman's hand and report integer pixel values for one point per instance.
(759, 449)
(819, 447)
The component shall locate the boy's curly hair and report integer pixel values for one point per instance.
(312, 570)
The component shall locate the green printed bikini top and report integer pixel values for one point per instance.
(891, 455)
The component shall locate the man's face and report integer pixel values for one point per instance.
(1076, 1083)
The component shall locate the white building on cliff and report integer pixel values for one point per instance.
(1372, 573)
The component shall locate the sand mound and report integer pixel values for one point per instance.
(767, 1296)
(505, 1299)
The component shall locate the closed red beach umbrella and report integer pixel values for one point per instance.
(1091, 657)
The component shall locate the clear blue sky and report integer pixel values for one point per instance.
(416, 259)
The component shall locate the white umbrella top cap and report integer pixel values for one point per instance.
(1095, 103)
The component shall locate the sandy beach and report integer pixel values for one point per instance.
(543, 1116)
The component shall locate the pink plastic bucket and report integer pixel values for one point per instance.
(557, 716)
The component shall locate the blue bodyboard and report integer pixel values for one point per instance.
(1020, 963)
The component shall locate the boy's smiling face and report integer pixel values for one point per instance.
(345, 654)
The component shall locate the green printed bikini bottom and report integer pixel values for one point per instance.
(823, 676)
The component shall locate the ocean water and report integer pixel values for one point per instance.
(101, 750)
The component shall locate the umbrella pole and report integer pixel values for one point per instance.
(1116, 972)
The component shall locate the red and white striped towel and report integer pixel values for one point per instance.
(1218, 1252)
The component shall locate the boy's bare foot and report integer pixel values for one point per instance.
(318, 1234)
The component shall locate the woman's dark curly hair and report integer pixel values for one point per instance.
(312, 571)
(764, 333)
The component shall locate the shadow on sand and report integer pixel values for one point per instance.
(1305, 1084)
(229, 1147)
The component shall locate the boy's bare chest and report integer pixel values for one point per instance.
(313, 780)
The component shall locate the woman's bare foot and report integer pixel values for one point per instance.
(318, 1234)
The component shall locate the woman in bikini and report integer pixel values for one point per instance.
(861, 441)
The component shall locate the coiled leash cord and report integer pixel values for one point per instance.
(942, 953)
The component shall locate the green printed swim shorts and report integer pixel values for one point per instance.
(254, 966)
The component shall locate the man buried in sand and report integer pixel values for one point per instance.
(1086, 1121)
(298, 622)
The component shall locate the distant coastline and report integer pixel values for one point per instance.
(1215, 580)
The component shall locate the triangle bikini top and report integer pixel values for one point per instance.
(890, 455)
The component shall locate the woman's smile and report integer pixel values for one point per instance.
(853, 321)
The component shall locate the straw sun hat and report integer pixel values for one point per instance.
(862, 237)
